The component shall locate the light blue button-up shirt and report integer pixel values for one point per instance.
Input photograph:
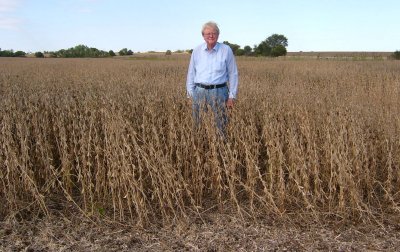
(212, 67)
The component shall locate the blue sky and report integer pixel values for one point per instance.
(150, 25)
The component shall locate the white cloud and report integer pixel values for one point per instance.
(9, 23)
(8, 5)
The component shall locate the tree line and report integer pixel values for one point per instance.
(11, 53)
(273, 46)
(79, 51)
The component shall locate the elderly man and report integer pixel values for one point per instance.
(212, 66)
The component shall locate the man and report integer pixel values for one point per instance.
(212, 66)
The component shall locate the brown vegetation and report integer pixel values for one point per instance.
(335, 55)
(115, 138)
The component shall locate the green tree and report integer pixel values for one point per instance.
(80, 51)
(234, 47)
(275, 45)
(123, 51)
(93, 52)
(276, 39)
(263, 49)
(239, 52)
(19, 54)
(7, 53)
(168, 52)
(247, 50)
(130, 52)
(111, 53)
(61, 53)
(278, 50)
(39, 55)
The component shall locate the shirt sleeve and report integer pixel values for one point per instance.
(233, 75)
(190, 77)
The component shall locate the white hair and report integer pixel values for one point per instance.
(210, 24)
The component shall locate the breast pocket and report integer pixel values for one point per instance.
(220, 67)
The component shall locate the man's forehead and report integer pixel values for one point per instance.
(209, 29)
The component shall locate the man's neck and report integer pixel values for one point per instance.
(211, 46)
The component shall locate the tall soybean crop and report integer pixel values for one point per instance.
(116, 137)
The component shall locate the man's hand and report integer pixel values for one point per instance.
(229, 103)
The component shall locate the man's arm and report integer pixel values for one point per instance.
(190, 77)
(233, 75)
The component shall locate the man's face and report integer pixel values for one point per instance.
(210, 36)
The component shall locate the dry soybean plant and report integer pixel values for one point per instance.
(115, 138)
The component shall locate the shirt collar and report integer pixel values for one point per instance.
(216, 47)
